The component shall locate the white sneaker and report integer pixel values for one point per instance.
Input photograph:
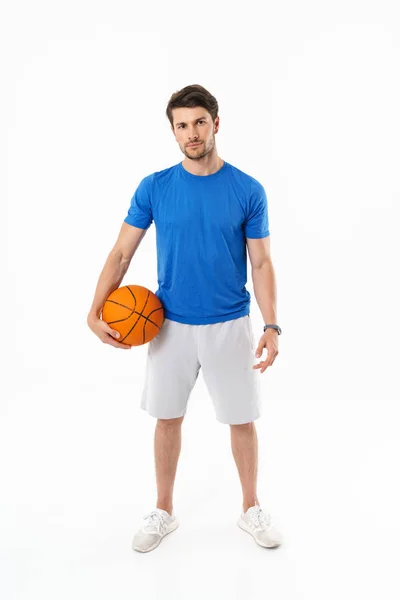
(259, 525)
(155, 526)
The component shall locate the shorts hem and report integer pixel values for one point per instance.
(241, 422)
(157, 417)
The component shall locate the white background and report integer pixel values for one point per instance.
(309, 100)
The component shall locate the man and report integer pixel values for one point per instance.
(205, 211)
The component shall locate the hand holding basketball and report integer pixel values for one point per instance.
(106, 334)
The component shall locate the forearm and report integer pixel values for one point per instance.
(110, 278)
(264, 284)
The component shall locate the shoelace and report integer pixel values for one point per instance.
(155, 519)
(259, 518)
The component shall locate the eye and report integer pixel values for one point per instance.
(199, 121)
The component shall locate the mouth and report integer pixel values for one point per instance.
(194, 145)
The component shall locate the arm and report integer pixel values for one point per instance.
(263, 275)
(264, 283)
(110, 278)
(116, 266)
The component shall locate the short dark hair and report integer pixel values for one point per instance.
(191, 96)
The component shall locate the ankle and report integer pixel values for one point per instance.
(165, 506)
(247, 505)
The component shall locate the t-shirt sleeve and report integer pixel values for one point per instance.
(256, 223)
(140, 212)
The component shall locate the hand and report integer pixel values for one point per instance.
(269, 341)
(103, 331)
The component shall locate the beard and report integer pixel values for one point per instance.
(199, 151)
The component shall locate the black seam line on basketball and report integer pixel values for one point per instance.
(119, 304)
(140, 314)
(133, 313)
(128, 307)
(144, 326)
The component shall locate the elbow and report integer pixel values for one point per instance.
(262, 264)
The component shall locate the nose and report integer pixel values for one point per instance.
(193, 138)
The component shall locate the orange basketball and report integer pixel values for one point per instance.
(135, 312)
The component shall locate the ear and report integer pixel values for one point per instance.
(216, 125)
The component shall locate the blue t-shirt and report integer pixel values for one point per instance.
(202, 222)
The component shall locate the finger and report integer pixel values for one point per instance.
(113, 333)
(261, 365)
(267, 363)
(122, 346)
(109, 330)
(109, 340)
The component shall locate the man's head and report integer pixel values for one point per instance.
(193, 114)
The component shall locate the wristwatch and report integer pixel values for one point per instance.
(279, 330)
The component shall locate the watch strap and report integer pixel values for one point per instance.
(278, 329)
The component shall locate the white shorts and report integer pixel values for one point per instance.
(226, 353)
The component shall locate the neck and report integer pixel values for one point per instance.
(207, 165)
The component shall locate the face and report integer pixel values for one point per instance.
(194, 125)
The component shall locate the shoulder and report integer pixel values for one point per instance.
(148, 180)
(252, 184)
(164, 175)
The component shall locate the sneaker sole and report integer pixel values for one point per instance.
(170, 529)
(243, 525)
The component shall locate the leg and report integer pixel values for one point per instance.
(245, 451)
(167, 447)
